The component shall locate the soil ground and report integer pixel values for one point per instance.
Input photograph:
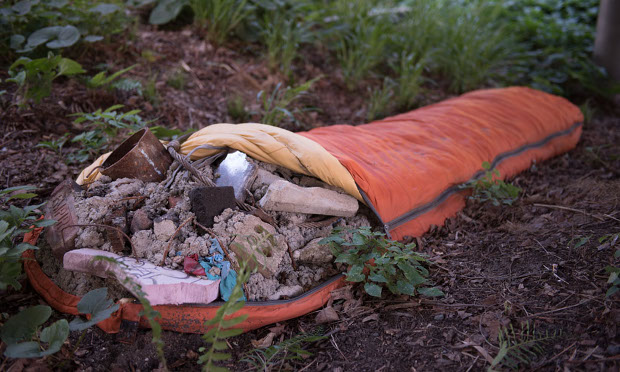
(538, 260)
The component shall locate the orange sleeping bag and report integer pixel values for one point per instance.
(408, 167)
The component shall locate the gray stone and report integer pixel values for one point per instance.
(264, 177)
(236, 171)
(284, 196)
(314, 252)
(286, 291)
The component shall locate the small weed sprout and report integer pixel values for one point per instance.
(519, 349)
(101, 80)
(276, 106)
(610, 240)
(55, 145)
(380, 262)
(219, 17)
(490, 188)
(104, 126)
(380, 101)
(236, 108)
(178, 80)
(292, 349)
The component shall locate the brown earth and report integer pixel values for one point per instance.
(538, 260)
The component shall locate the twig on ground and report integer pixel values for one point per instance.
(163, 259)
(576, 211)
(562, 308)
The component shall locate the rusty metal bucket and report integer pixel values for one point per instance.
(141, 156)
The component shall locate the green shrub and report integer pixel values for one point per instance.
(276, 107)
(380, 262)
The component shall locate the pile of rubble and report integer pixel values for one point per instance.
(183, 241)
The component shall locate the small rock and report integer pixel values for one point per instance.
(209, 202)
(314, 252)
(284, 196)
(140, 221)
(288, 291)
(439, 317)
(174, 200)
(264, 177)
(164, 229)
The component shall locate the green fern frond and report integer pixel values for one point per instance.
(519, 349)
(221, 326)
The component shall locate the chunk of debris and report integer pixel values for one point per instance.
(61, 208)
(236, 171)
(164, 228)
(286, 291)
(208, 202)
(140, 221)
(255, 238)
(314, 253)
(162, 286)
(284, 196)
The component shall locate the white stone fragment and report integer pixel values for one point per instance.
(284, 196)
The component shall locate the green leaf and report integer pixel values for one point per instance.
(22, 8)
(104, 9)
(372, 289)
(93, 38)
(17, 41)
(431, 292)
(67, 36)
(55, 335)
(9, 273)
(68, 66)
(23, 350)
(166, 11)
(376, 277)
(411, 273)
(97, 305)
(43, 223)
(405, 287)
(16, 188)
(23, 325)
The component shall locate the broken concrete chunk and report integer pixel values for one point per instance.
(162, 286)
(208, 202)
(284, 196)
(259, 239)
(264, 177)
(236, 171)
(117, 218)
(61, 208)
(314, 253)
(286, 291)
(164, 229)
(140, 221)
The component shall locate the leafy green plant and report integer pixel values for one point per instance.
(167, 133)
(34, 76)
(102, 80)
(19, 331)
(408, 69)
(219, 17)
(236, 108)
(291, 349)
(518, 349)
(55, 145)
(30, 24)
(14, 222)
(614, 271)
(276, 106)
(104, 126)
(380, 102)
(178, 80)
(380, 262)
(490, 188)
(220, 327)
